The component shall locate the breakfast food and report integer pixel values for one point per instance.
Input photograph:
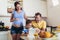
(36, 34)
(45, 34)
(48, 34)
(41, 34)
(58, 28)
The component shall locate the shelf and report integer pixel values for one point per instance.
(4, 16)
(27, 16)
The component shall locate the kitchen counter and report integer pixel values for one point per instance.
(5, 35)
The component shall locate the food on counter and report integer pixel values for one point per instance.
(36, 34)
(41, 34)
(45, 34)
(48, 34)
(7, 27)
(57, 30)
(58, 26)
(4, 28)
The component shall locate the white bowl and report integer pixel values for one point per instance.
(47, 38)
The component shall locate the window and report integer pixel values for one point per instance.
(55, 2)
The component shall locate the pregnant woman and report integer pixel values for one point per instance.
(17, 18)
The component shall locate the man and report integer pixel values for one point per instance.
(39, 22)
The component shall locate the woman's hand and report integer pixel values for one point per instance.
(11, 20)
(16, 18)
(16, 25)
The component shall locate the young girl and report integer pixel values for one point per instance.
(29, 31)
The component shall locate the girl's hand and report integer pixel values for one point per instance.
(37, 30)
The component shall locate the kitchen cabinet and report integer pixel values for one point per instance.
(5, 35)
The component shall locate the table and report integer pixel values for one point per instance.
(32, 38)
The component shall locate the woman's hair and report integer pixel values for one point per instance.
(28, 21)
(15, 4)
(38, 14)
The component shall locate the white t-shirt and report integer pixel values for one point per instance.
(31, 33)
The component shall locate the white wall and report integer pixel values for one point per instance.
(30, 7)
(33, 6)
(53, 13)
(3, 6)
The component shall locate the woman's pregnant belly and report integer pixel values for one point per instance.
(18, 22)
